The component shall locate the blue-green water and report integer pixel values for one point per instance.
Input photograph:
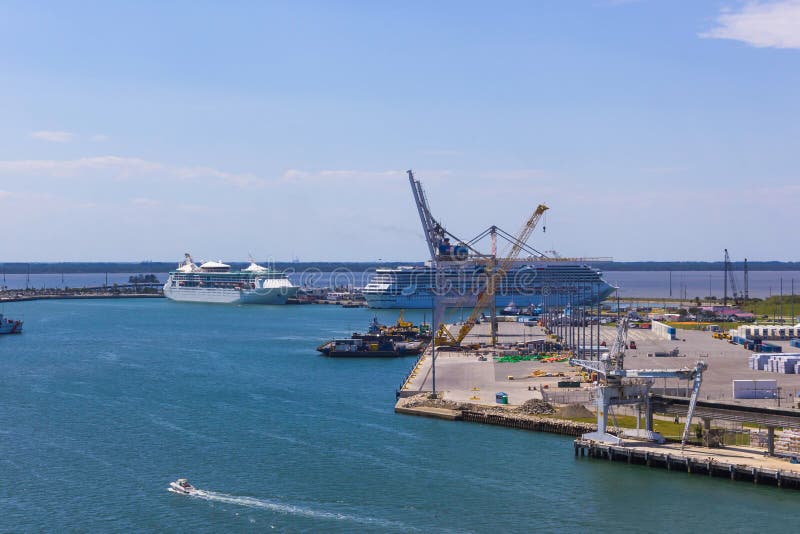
(102, 403)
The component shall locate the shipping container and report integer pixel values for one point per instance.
(755, 389)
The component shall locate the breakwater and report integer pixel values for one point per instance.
(76, 296)
(537, 424)
(490, 415)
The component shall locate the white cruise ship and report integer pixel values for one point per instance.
(216, 282)
(535, 282)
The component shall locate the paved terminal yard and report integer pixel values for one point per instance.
(463, 376)
(475, 377)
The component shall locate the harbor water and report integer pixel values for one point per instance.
(104, 402)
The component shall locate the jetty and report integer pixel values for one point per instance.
(99, 292)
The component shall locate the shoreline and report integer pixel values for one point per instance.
(26, 298)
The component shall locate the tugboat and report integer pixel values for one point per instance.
(10, 326)
(380, 341)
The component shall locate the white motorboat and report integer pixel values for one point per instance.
(181, 486)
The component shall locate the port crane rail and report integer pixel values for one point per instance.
(610, 371)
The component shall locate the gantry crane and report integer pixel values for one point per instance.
(611, 391)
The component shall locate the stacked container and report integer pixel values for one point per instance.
(663, 331)
(755, 389)
(756, 362)
(783, 363)
(768, 331)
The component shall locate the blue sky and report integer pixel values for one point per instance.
(658, 130)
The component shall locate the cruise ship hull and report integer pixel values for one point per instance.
(425, 301)
(278, 295)
(551, 284)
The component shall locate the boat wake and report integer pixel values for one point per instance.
(291, 509)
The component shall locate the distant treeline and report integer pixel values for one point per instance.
(695, 265)
(163, 267)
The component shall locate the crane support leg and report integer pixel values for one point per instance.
(698, 380)
(604, 396)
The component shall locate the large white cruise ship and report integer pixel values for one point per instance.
(216, 282)
(535, 282)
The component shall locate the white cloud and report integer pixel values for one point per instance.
(144, 202)
(242, 180)
(296, 175)
(4, 194)
(662, 170)
(345, 175)
(53, 136)
(760, 24)
(194, 208)
(75, 166)
(512, 175)
(122, 168)
(99, 138)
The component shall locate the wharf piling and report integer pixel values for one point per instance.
(738, 465)
(733, 463)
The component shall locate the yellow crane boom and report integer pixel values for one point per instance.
(495, 275)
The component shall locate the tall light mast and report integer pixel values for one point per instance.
(746, 283)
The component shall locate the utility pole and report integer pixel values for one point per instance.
(746, 282)
(597, 293)
(434, 329)
(709, 286)
(725, 284)
(670, 283)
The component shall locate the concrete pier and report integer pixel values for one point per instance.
(742, 464)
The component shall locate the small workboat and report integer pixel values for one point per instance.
(10, 326)
(511, 309)
(402, 339)
(181, 486)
